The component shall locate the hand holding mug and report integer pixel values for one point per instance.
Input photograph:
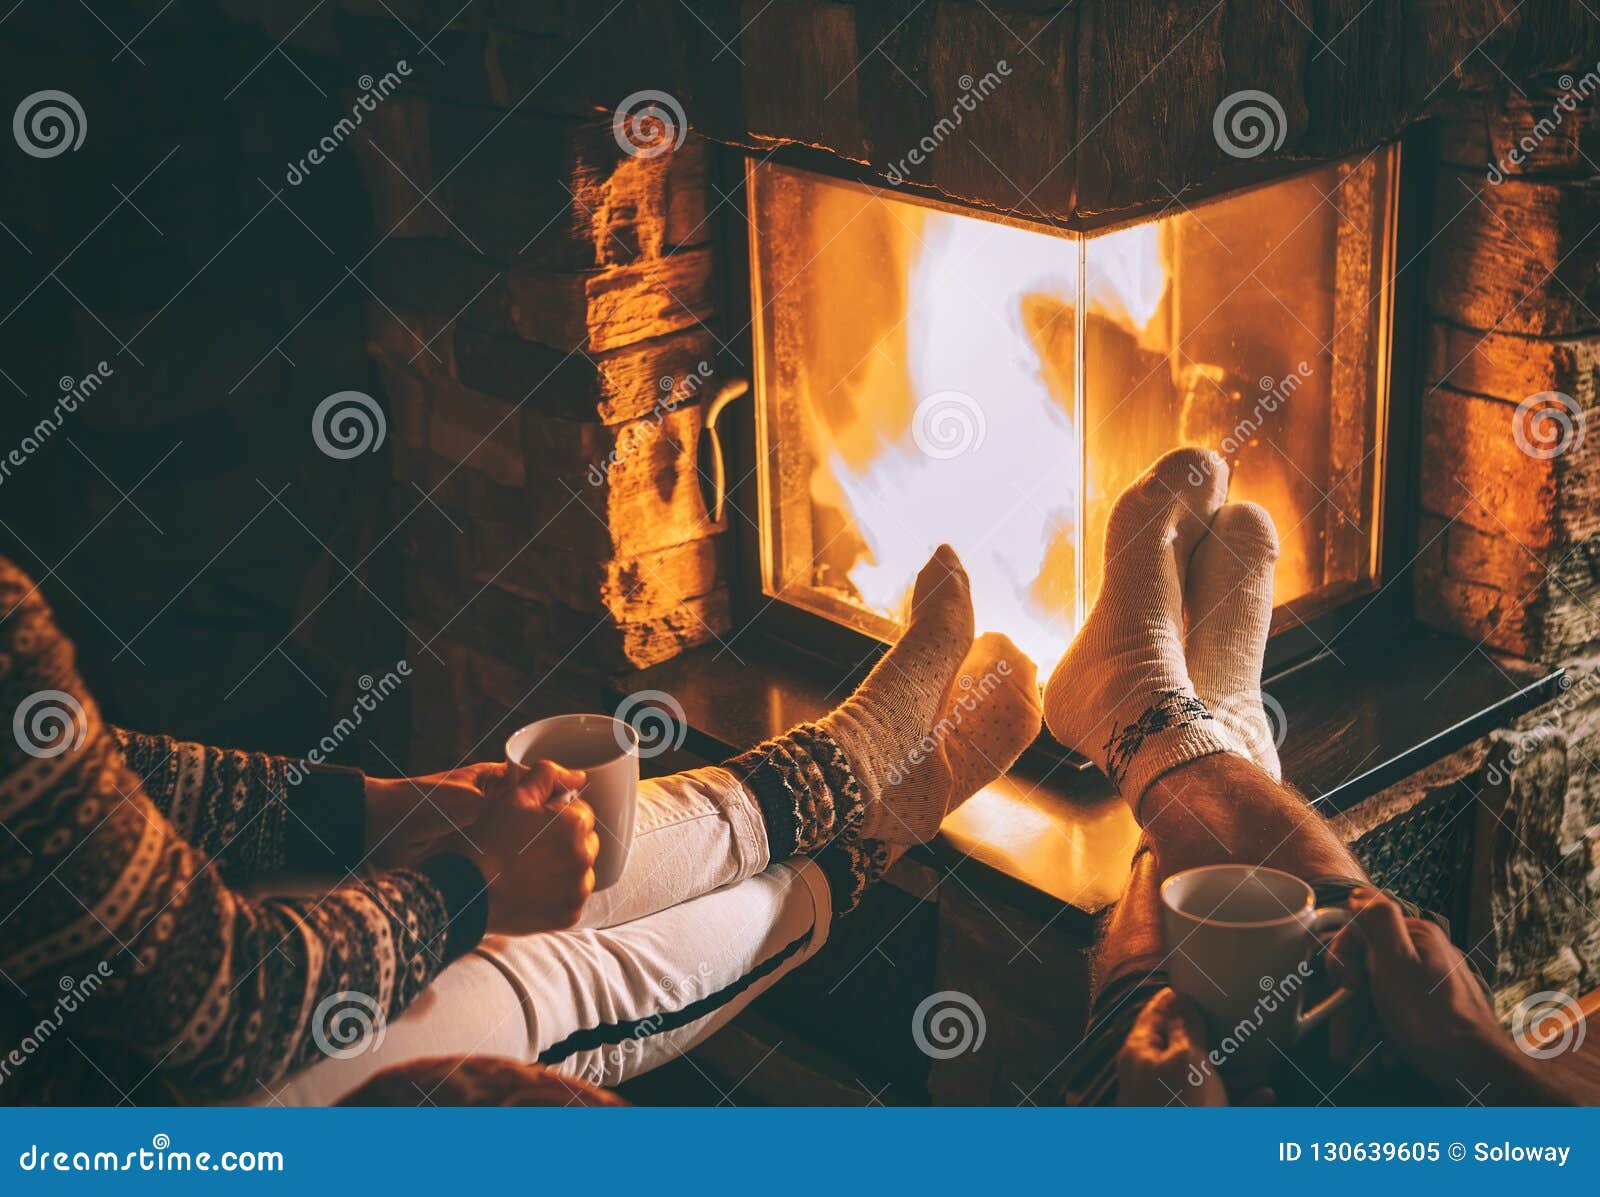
(536, 848)
(606, 750)
(1240, 940)
(1430, 1007)
(1163, 1061)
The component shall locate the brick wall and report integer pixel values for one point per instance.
(423, 203)
(544, 325)
(216, 569)
(1511, 521)
(1510, 525)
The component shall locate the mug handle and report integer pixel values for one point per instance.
(1322, 921)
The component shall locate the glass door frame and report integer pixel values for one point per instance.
(1400, 380)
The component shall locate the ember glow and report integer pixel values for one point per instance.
(928, 375)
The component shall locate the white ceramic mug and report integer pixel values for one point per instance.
(607, 750)
(1239, 942)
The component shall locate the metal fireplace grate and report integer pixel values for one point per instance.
(1425, 855)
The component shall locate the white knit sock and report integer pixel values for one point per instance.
(1121, 694)
(886, 728)
(990, 716)
(1228, 601)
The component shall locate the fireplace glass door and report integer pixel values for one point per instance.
(926, 373)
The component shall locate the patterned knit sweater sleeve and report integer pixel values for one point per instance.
(203, 986)
(251, 812)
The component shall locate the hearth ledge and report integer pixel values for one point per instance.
(1051, 837)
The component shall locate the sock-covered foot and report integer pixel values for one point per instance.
(1122, 695)
(1228, 601)
(993, 712)
(875, 770)
(991, 715)
(887, 728)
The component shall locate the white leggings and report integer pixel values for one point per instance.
(696, 928)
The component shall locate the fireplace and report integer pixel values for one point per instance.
(550, 317)
(1079, 274)
(927, 372)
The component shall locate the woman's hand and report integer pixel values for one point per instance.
(536, 846)
(412, 818)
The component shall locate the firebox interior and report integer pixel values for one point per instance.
(930, 374)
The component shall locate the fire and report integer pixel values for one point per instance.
(1124, 277)
(930, 376)
(990, 460)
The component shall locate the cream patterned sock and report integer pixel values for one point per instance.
(1228, 601)
(887, 728)
(1122, 694)
(992, 714)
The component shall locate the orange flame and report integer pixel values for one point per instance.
(994, 385)
(989, 335)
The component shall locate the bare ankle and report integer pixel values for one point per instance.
(1223, 808)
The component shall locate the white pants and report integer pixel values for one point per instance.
(696, 928)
